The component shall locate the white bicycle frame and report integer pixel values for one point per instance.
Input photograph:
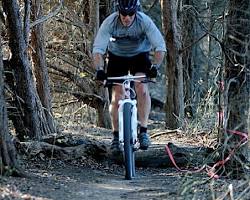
(134, 121)
(127, 91)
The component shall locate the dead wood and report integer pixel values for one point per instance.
(69, 148)
(164, 133)
(184, 155)
(65, 148)
(40, 149)
(156, 156)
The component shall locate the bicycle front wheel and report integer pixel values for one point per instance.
(129, 158)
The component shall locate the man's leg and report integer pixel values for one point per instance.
(144, 106)
(144, 103)
(117, 94)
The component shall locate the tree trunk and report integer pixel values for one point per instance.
(103, 117)
(39, 64)
(174, 107)
(188, 38)
(30, 108)
(237, 80)
(8, 156)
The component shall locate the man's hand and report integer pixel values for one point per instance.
(100, 75)
(153, 71)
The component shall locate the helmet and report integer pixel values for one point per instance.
(128, 7)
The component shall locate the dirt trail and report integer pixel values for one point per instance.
(87, 179)
(90, 180)
(75, 182)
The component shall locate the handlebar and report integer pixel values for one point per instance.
(110, 81)
(127, 77)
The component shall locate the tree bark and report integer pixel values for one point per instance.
(103, 117)
(39, 64)
(8, 157)
(30, 108)
(188, 38)
(94, 22)
(174, 106)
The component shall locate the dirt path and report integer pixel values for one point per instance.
(87, 179)
(75, 182)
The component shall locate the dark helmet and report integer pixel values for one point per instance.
(128, 7)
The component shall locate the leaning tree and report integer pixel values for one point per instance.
(30, 119)
(38, 55)
(8, 159)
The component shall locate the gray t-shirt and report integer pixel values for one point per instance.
(141, 36)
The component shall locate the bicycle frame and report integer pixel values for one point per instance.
(127, 121)
(126, 84)
(134, 121)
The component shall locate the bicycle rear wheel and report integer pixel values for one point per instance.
(129, 158)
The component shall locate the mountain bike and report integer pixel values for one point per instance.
(127, 117)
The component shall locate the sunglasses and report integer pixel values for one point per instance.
(124, 14)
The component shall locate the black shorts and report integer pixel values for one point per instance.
(120, 66)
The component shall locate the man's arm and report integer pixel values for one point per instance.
(98, 64)
(156, 39)
(158, 57)
(98, 61)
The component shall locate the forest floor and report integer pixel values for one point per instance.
(86, 178)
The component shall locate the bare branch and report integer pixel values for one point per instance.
(79, 82)
(91, 100)
(196, 41)
(151, 6)
(47, 17)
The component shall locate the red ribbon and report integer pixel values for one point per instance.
(211, 170)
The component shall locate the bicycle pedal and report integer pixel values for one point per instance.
(136, 147)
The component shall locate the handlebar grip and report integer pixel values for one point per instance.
(149, 80)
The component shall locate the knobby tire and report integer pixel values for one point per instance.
(129, 158)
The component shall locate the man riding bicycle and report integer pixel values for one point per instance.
(129, 35)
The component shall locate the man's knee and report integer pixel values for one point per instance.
(116, 97)
(142, 90)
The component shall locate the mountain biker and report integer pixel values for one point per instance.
(129, 35)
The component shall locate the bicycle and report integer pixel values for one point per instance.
(127, 118)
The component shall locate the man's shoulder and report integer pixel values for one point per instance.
(143, 20)
(142, 16)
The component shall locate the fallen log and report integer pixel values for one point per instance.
(92, 148)
(184, 155)
(155, 156)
